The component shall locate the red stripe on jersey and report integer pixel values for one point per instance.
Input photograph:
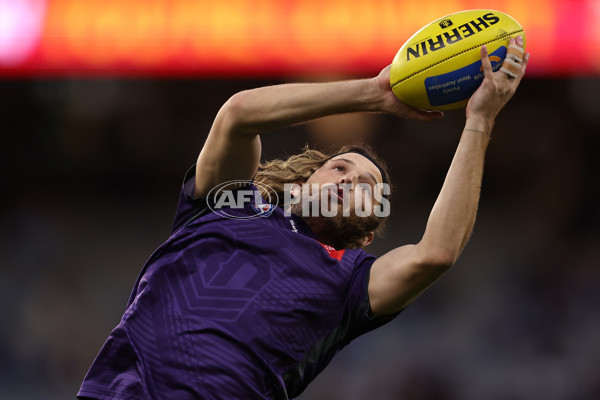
(333, 253)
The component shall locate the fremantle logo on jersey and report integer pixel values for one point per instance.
(263, 210)
(226, 198)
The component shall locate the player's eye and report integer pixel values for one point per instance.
(339, 168)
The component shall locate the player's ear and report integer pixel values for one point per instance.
(367, 239)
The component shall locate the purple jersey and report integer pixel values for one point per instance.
(233, 309)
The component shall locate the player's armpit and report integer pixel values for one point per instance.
(401, 275)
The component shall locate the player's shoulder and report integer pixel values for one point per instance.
(356, 258)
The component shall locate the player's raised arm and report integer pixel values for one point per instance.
(402, 274)
(232, 149)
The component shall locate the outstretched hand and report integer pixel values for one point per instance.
(497, 87)
(392, 105)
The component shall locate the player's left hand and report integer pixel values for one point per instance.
(497, 87)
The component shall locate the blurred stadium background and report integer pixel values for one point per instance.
(105, 104)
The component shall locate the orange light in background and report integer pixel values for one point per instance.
(260, 37)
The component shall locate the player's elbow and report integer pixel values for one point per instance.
(237, 115)
(438, 258)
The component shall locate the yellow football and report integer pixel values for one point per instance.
(439, 67)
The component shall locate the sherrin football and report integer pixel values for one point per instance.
(439, 67)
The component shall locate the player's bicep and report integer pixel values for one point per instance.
(399, 276)
(230, 152)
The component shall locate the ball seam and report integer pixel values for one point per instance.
(456, 55)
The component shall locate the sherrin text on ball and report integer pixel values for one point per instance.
(439, 67)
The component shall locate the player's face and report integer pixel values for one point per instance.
(349, 174)
(346, 229)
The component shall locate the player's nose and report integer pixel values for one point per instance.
(349, 178)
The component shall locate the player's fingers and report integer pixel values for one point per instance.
(515, 51)
(424, 115)
(515, 63)
(523, 67)
(485, 61)
(511, 66)
(519, 41)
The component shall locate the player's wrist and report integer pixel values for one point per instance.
(481, 124)
(359, 95)
(381, 98)
(372, 96)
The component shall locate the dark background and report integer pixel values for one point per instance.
(90, 171)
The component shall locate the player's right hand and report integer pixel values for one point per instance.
(496, 89)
